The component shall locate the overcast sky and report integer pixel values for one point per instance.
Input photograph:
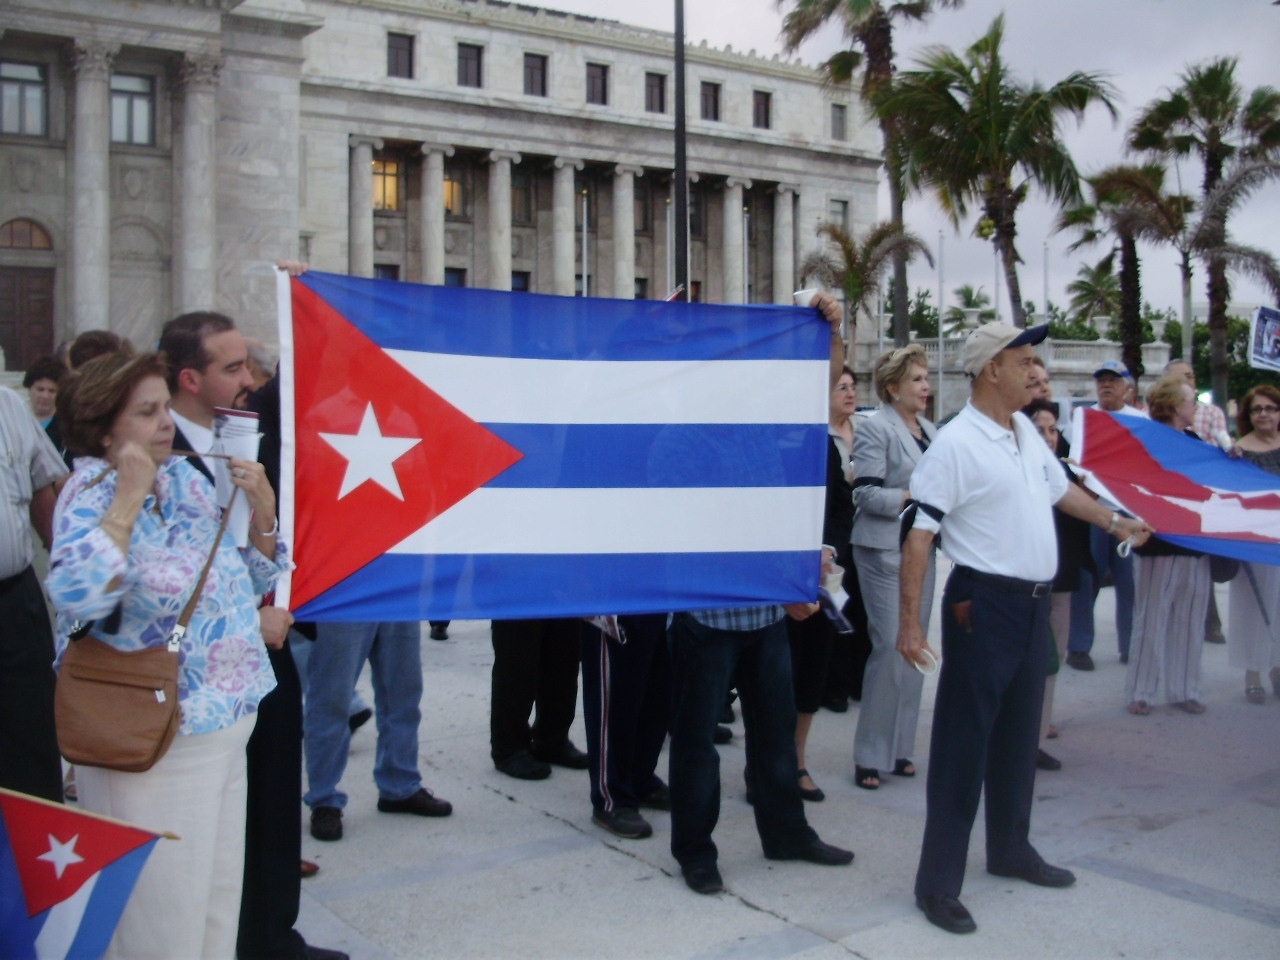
(1141, 45)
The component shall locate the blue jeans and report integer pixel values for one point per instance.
(704, 662)
(1103, 547)
(300, 648)
(395, 659)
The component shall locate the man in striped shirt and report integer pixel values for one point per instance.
(29, 466)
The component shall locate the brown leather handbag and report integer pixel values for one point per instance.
(117, 709)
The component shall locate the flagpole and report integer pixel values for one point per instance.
(682, 171)
(937, 407)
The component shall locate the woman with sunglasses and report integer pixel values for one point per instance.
(1253, 642)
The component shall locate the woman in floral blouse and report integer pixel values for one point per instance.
(132, 529)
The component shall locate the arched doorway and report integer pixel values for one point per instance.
(26, 293)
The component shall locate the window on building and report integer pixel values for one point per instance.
(644, 208)
(455, 277)
(697, 221)
(839, 121)
(761, 110)
(470, 65)
(387, 188)
(597, 83)
(642, 288)
(655, 92)
(522, 197)
(133, 101)
(838, 213)
(24, 235)
(710, 101)
(577, 286)
(457, 192)
(24, 96)
(400, 55)
(535, 75)
(521, 281)
(386, 271)
(695, 291)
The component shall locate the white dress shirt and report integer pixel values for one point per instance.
(28, 462)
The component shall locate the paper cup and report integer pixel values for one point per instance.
(931, 664)
(802, 298)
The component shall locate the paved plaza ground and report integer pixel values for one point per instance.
(1171, 823)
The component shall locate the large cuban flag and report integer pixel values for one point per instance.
(1192, 493)
(65, 877)
(462, 454)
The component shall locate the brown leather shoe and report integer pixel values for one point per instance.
(309, 869)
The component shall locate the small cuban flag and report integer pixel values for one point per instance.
(65, 877)
(471, 454)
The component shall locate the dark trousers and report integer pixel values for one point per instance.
(703, 664)
(535, 663)
(811, 642)
(986, 724)
(626, 705)
(29, 759)
(849, 651)
(273, 826)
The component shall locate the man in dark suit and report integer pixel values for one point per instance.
(207, 360)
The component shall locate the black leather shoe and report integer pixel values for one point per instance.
(659, 798)
(439, 631)
(326, 823)
(823, 854)
(703, 878)
(623, 822)
(523, 766)
(320, 953)
(1040, 873)
(723, 734)
(422, 803)
(563, 754)
(945, 911)
(1079, 660)
(1047, 761)
(359, 719)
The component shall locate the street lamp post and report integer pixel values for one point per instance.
(682, 172)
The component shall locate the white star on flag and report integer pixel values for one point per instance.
(370, 455)
(61, 855)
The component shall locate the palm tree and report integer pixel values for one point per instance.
(868, 28)
(857, 268)
(1208, 115)
(1095, 292)
(974, 133)
(969, 298)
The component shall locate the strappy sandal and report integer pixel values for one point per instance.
(1191, 706)
(904, 768)
(1139, 708)
(1255, 695)
(868, 778)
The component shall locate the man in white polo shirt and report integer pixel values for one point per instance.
(988, 485)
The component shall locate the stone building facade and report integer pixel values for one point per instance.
(157, 155)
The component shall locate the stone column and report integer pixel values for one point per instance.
(500, 218)
(360, 206)
(624, 230)
(562, 225)
(196, 274)
(91, 188)
(784, 242)
(433, 212)
(733, 240)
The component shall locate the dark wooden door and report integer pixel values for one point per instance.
(26, 314)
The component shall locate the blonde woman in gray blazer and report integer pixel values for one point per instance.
(886, 449)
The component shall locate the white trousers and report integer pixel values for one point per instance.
(186, 904)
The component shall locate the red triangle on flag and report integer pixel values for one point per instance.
(340, 375)
(48, 839)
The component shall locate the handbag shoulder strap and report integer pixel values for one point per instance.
(180, 628)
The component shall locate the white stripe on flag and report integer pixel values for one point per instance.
(63, 923)
(615, 520)
(511, 390)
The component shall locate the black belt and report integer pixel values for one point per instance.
(1012, 584)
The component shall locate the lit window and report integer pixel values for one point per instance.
(457, 204)
(839, 121)
(521, 197)
(132, 109)
(24, 235)
(535, 75)
(710, 101)
(387, 194)
(597, 83)
(470, 65)
(655, 93)
(761, 110)
(23, 96)
(399, 55)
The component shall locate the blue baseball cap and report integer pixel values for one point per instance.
(1115, 368)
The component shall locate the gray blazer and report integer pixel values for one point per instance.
(884, 454)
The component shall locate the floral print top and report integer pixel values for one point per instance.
(135, 601)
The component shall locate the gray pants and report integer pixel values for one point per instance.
(891, 687)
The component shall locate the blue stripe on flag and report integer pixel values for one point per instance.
(457, 587)
(1200, 462)
(107, 902)
(630, 455)
(494, 323)
(1249, 552)
(17, 932)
